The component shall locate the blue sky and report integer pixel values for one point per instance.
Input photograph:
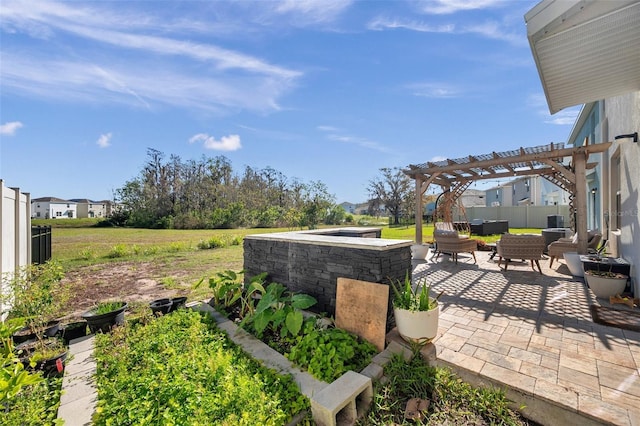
(320, 90)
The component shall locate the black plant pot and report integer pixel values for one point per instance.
(177, 302)
(52, 367)
(74, 330)
(104, 322)
(26, 334)
(161, 306)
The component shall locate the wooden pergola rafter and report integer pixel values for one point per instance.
(548, 161)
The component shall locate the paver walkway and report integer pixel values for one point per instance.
(534, 334)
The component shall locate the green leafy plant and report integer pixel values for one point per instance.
(405, 296)
(13, 377)
(118, 251)
(106, 307)
(187, 371)
(279, 310)
(327, 353)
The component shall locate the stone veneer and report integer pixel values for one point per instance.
(311, 261)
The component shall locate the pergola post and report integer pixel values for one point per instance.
(418, 208)
(580, 162)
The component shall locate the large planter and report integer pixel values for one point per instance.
(417, 326)
(419, 251)
(605, 285)
(177, 302)
(74, 330)
(574, 263)
(161, 306)
(25, 334)
(103, 322)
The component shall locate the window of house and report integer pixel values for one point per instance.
(37, 214)
(59, 214)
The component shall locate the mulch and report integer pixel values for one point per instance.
(621, 318)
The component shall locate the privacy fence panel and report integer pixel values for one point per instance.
(518, 216)
(15, 228)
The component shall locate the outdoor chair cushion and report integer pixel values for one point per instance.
(451, 242)
(520, 246)
(557, 248)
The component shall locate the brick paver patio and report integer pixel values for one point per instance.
(534, 334)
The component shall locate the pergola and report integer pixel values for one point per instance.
(548, 161)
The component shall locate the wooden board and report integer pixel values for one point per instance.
(361, 308)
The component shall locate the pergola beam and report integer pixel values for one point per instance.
(572, 178)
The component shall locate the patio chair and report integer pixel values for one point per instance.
(449, 241)
(520, 246)
(557, 248)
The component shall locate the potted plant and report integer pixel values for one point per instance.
(35, 295)
(104, 316)
(416, 313)
(605, 283)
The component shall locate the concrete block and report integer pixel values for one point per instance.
(343, 401)
(374, 371)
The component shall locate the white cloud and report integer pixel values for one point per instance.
(489, 29)
(361, 142)
(435, 90)
(104, 140)
(226, 143)
(438, 158)
(327, 128)
(313, 11)
(566, 117)
(382, 23)
(444, 7)
(10, 128)
(134, 65)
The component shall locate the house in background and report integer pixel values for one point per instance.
(53, 208)
(90, 209)
(501, 195)
(537, 191)
(348, 207)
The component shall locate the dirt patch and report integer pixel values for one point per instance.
(128, 281)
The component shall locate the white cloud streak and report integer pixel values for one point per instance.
(333, 135)
(104, 141)
(141, 70)
(313, 11)
(10, 128)
(445, 7)
(489, 29)
(435, 90)
(226, 143)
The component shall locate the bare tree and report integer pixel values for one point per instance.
(393, 190)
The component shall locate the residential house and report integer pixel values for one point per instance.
(348, 207)
(90, 209)
(537, 191)
(587, 54)
(501, 195)
(53, 208)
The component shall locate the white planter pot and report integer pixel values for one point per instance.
(605, 286)
(417, 326)
(574, 263)
(419, 251)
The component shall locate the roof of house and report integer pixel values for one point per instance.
(51, 200)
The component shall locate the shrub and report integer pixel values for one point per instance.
(117, 251)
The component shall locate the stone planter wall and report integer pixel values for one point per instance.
(310, 263)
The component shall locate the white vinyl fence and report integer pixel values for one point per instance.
(15, 233)
(518, 216)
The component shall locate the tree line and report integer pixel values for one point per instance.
(207, 194)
